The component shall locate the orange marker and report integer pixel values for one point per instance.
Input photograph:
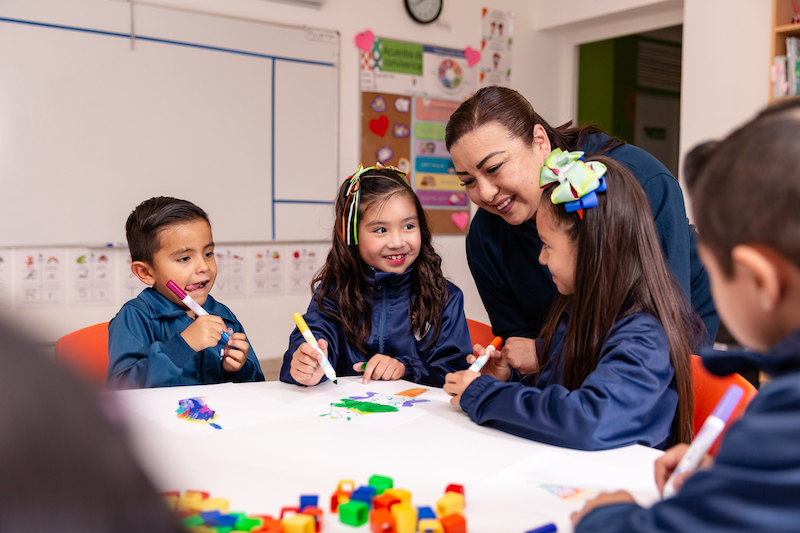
(480, 361)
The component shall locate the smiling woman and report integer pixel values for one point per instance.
(498, 143)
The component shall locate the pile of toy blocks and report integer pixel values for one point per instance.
(389, 510)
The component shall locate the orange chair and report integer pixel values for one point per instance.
(86, 352)
(480, 333)
(709, 389)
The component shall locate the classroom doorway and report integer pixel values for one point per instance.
(631, 87)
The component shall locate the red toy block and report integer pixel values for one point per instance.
(316, 512)
(456, 488)
(285, 510)
(203, 494)
(384, 501)
(381, 521)
(454, 523)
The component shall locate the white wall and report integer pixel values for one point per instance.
(725, 60)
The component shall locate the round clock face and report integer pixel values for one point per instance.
(424, 11)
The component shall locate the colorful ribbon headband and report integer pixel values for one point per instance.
(350, 215)
(578, 180)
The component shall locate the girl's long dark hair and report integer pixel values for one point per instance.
(511, 109)
(341, 277)
(620, 270)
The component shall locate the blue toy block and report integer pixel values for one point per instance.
(365, 494)
(308, 500)
(425, 512)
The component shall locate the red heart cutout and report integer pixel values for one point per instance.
(379, 126)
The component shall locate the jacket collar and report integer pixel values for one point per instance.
(161, 307)
(395, 282)
(783, 357)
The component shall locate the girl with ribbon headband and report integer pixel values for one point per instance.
(615, 349)
(381, 304)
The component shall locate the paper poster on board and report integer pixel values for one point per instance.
(498, 39)
(408, 93)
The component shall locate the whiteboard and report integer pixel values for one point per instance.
(104, 104)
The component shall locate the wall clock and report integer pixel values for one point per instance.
(424, 11)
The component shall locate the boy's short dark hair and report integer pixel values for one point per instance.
(150, 217)
(746, 188)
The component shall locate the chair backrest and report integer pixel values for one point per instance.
(86, 352)
(480, 333)
(709, 389)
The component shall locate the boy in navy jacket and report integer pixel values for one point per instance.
(155, 340)
(745, 191)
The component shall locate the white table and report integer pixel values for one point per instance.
(274, 446)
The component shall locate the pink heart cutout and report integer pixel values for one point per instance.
(460, 219)
(472, 56)
(379, 126)
(364, 40)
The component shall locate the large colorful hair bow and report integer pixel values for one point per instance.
(350, 214)
(578, 180)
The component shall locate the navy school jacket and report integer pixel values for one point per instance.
(631, 397)
(391, 333)
(145, 348)
(754, 484)
(518, 292)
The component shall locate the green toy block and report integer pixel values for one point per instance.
(354, 513)
(192, 521)
(381, 483)
(247, 524)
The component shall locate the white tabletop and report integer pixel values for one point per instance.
(279, 441)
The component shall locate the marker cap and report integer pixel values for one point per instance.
(728, 403)
(177, 290)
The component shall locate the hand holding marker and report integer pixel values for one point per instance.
(711, 429)
(480, 361)
(194, 306)
(309, 337)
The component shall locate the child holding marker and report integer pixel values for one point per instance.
(156, 339)
(381, 304)
(745, 191)
(615, 349)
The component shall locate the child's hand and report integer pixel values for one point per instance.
(496, 366)
(455, 383)
(605, 498)
(235, 353)
(520, 353)
(305, 368)
(204, 332)
(381, 367)
(667, 463)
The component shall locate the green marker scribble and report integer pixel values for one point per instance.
(365, 407)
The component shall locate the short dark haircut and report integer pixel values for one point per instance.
(146, 222)
(745, 189)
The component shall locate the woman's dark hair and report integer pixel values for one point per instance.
(342, 279)
(511, 109)
(63, 465)
(620, 270)
(745, 189)
(146, 222)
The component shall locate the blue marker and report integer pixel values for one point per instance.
(711, 429)
(549, 528)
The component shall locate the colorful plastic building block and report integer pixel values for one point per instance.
(316, 513)
(454, 523)
(308, 500)
(381, 483)
(298, 523)
(401, 494)
(342, 494)
(405, 518)
(365, 493)
(450, 503)
(425, 512)
(269, 525)
(385, 501)
(215, 504)
(455, 488)
(203, 494)
(247, 523)
(382, 521)
(430, 525)
(354, 513)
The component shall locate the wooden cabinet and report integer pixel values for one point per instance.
(782, 27)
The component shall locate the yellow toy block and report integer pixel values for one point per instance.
(190, 503)
(172, 502)
(450, 503)
(430, 525)
(215, 504)
(403, 495)
(299, 523)
(405, 517)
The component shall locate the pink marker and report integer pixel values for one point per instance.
(191, 304)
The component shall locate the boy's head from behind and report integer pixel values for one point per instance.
(170, 239)
(745, 193)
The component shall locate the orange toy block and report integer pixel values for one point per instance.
(385, 501)
(342, 493)
(454, 523)
(382, 521)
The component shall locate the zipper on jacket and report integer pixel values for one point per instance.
(381, 332)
